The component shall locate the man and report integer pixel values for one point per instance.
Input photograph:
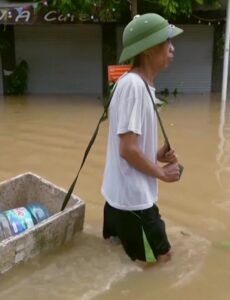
(132, 169)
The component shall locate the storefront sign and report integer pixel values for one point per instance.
(28, 16)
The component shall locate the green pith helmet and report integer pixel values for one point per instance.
(144, 32)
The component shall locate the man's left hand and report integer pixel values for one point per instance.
(166, 155)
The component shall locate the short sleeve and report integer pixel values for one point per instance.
(130, 109)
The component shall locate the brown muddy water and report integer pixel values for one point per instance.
(48, 135)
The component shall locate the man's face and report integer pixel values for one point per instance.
(161, 55)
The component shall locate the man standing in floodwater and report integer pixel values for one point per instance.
(132, 169)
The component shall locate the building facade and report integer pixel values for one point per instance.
(65, 57)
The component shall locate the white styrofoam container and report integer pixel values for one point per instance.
(50, 233)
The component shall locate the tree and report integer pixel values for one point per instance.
(122, 10)
(173, 8)
(86, 10)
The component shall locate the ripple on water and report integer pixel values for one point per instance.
(189, 252)
(80, 271)
(90, 266)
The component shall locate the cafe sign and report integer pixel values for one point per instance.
(28, 15)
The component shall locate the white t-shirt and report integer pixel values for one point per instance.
(131, 109)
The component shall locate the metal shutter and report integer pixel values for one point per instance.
(191, 71)
(62, 59)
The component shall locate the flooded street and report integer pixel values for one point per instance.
(48, 136)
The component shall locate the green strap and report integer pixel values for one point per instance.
(102, 118)
(181, 167)
(157, 113)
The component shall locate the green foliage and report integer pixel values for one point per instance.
(164, 94)
(173, 8)
(161, 102)
(95, 10)
(220, 41)
(4, 43)
(175, 92)
(116, 10)
(16, 83)
(64, 6)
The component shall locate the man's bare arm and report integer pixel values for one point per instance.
(131, 152)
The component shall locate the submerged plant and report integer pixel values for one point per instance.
(16, 82)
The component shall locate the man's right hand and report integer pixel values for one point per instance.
(170, 173)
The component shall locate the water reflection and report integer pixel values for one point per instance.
(81, 270)
(223, 155)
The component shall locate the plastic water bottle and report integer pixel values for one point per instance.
(19, 219)
(38, 212)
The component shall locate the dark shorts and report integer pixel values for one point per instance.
(141, 232)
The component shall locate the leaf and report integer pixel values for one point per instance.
(225, 244)
(200, 2)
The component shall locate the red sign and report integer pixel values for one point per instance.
(115, 71)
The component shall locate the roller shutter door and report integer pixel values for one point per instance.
(63, 59)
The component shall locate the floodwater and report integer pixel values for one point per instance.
(48, 136)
